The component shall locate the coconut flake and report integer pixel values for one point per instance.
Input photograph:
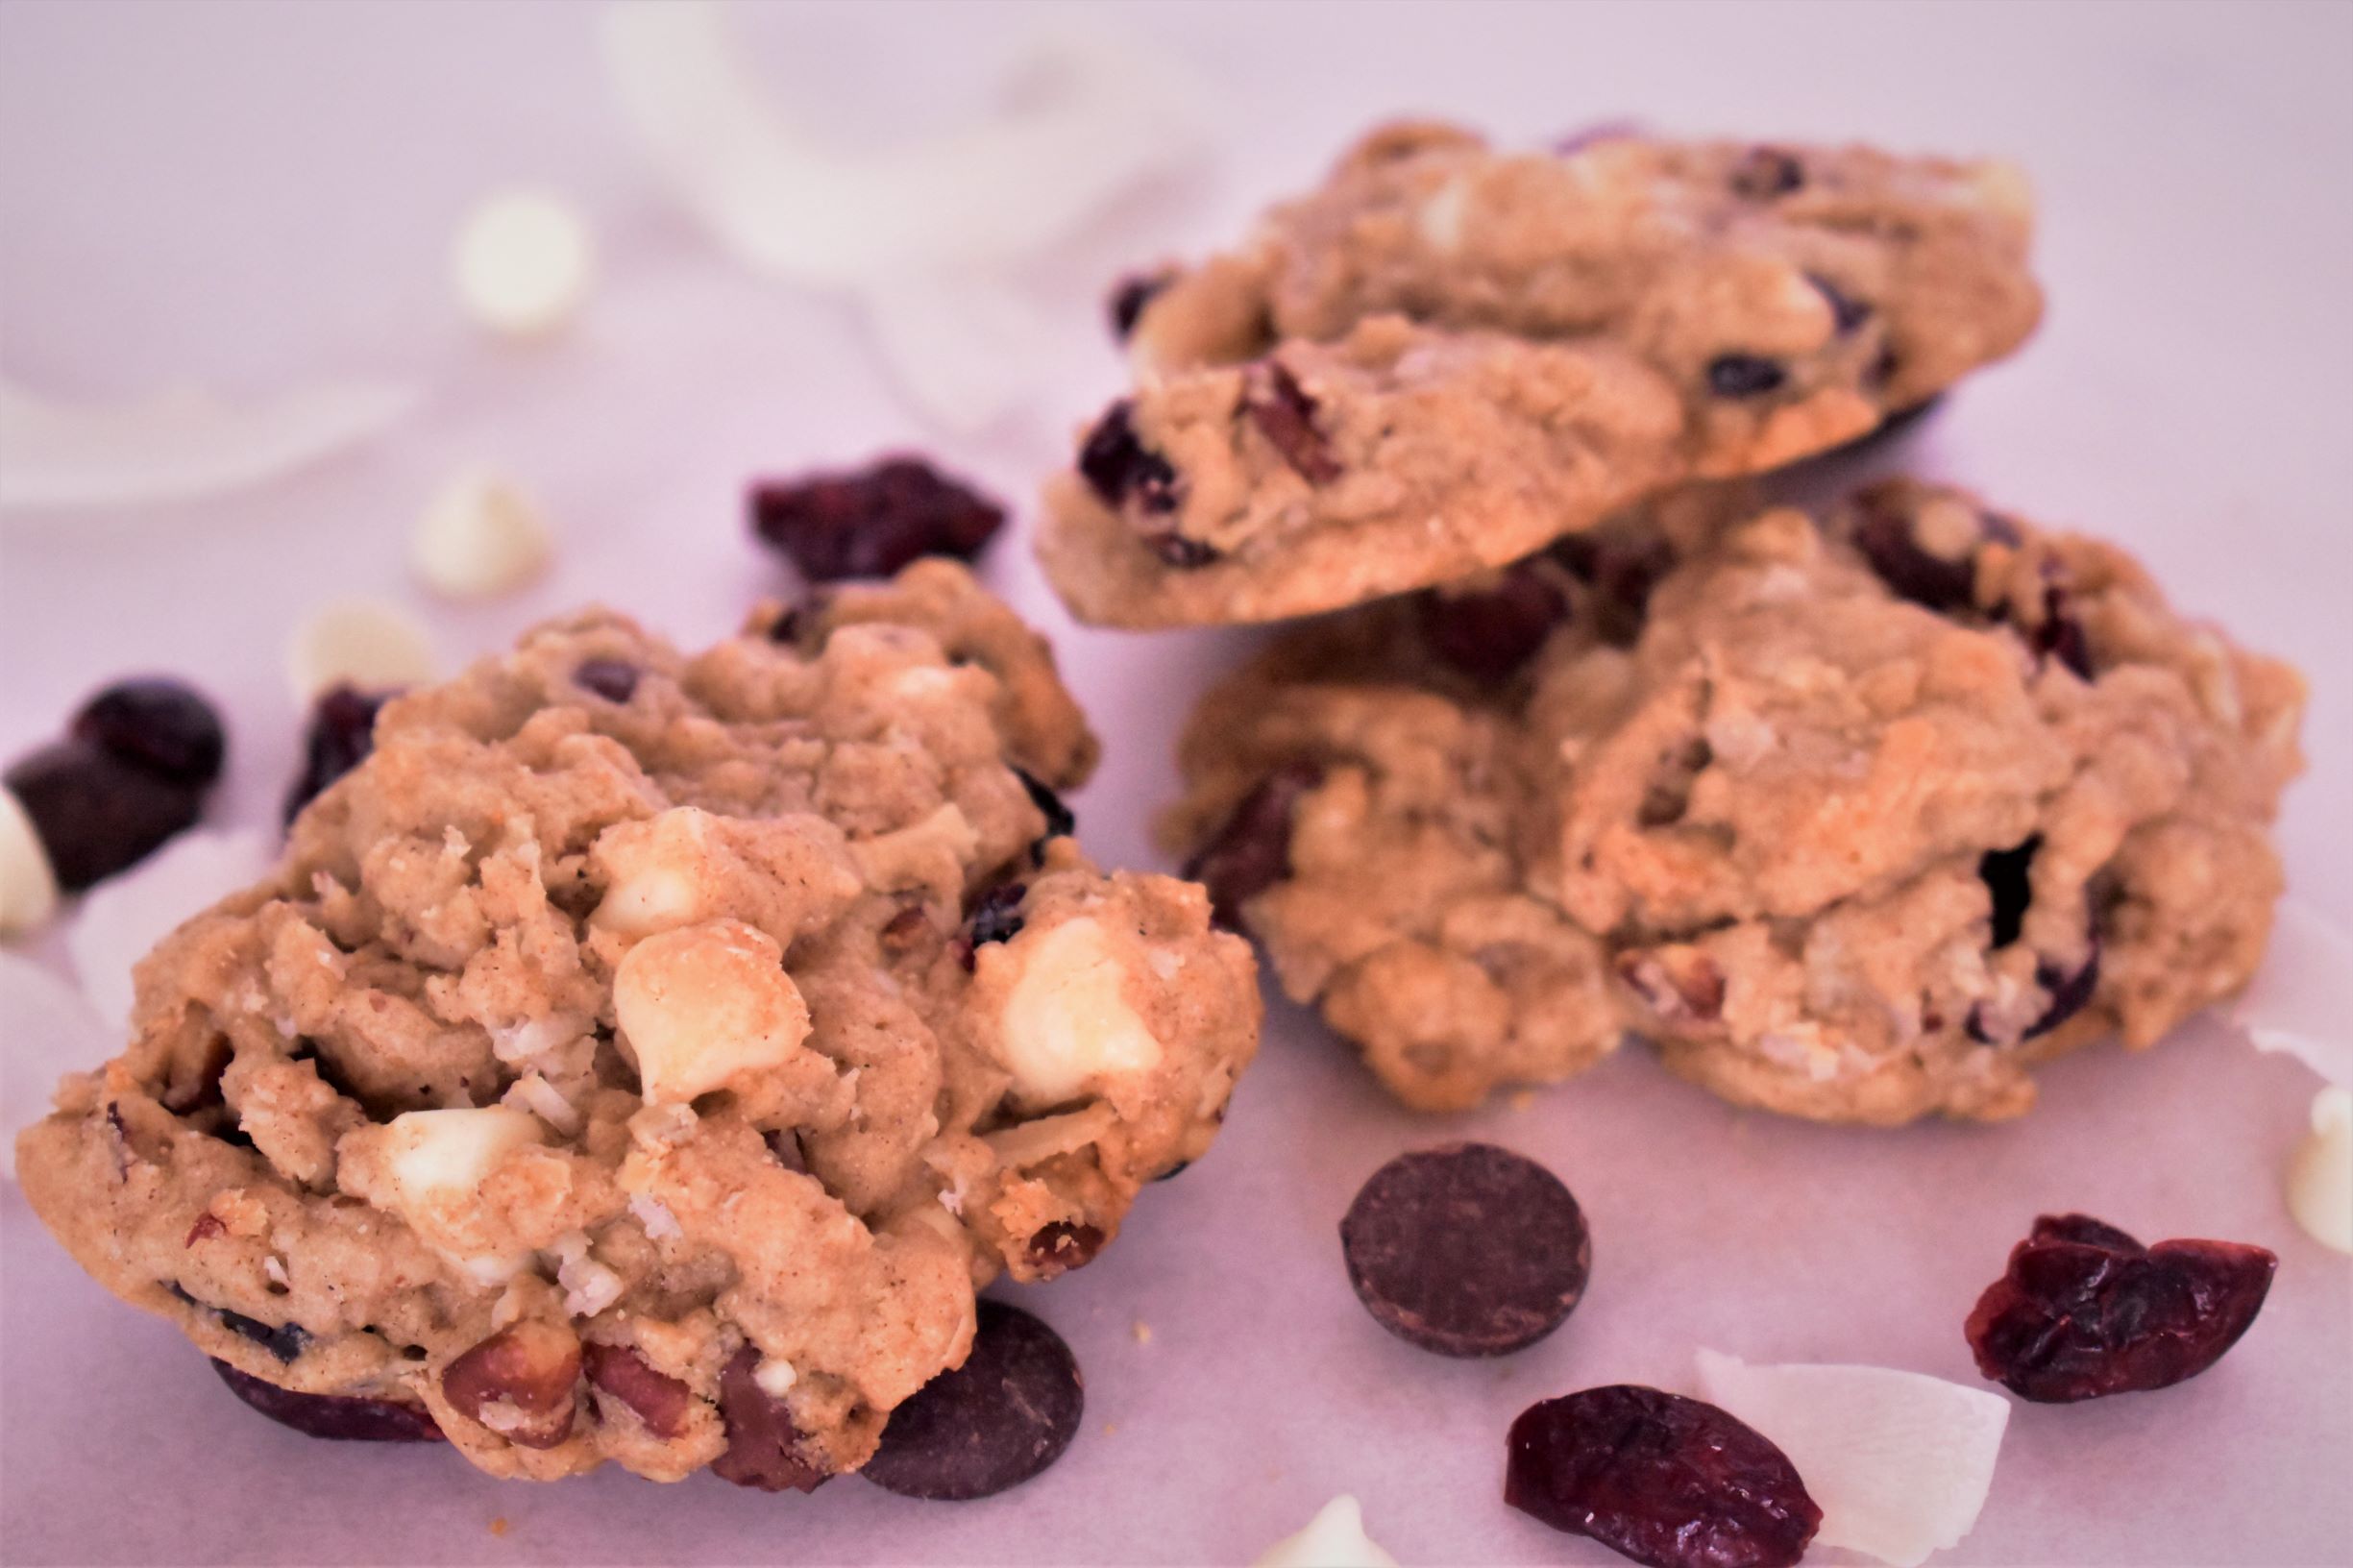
(179, 445)
(2320, 1172)
(51, 1030)
(124, 917)
(1334, 1539)
(533, 1093)
(362, 643)
(2300, 1000)
(661, 1225)
(28, 885)
(1900, 1463)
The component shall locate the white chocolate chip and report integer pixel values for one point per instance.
(1067, 1024)
(775, 1376)
(28, 887)
(362, 643)
(437, 1162)
(2320, 1172)
(479, 535)
(522, 264)
(705, 1005)
(1440, 217)
(657, 871)
(1334, 1539)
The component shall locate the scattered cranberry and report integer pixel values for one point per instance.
(996, 917)
(1488, 633)
(159, 725)
(2085, 1310)
(1128, 298)
(1120, 468)
(1663, 1479)
(874, 521)
(342, 733)
(1252, 851)
(1285, 416)
(613, 679)
(1744, 375)
(1764, 173)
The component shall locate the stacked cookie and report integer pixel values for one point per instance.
(1855, 815)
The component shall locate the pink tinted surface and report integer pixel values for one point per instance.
(254, 196)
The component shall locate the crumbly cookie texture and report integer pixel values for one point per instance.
(647, 1057)
(1856, 818)
(1449, 355)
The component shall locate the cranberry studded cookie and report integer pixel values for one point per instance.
(1449, 355)
(647, 1057)
(1856, 818)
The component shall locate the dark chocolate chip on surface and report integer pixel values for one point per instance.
(157, 723)
(1466, 1249)
(870, 522)
(96, 814)
(1252, 851)
(338, 1417)
(342, 733)
(990, 1424)
(1744, 375)
(613, 679)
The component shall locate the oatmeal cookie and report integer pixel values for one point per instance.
(1856, 818)
(651, 1067)
(1448, 356)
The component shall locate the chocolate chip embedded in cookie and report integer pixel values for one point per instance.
(647, 1057)
(1857, 818)
(1448, 356)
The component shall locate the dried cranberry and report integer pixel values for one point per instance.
(338, 1417)
(1285, 416)
(765, 1449)
(1744, 375)
(1127, 302)
(996, 917)
(96, 814)
(1763, 173)
(1063, 1246)
(1622, 572)
(342, 733)
(870, 522)
(2005, 873)
(613, 679)
(159, 725)
(1488, 633)
(1252, 851)
(2085, 1310)
(1663, 1479)
(1120, 468)
(1847, 312)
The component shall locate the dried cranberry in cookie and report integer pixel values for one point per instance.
(341, 733)
(597, 1073)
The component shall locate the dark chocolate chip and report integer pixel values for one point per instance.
(284, 1341)
(160, 724)
(1466, 1250)
(1488, 633)
(996, 917)
(2005, 875)
(1127, 302)
(765, 1450)
(1120, 468)
(1252, 851)
(990, 1424)
(96, 814)
(613, 679)
(1061, 822)
(1744, 375)
(337, 1417)
(1847, 312)
(1764, 173)
(870, 522)
(1063, 1246)
(1285, 416)
(342, 733)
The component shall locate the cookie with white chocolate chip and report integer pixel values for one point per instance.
(647, 1057)
(1449, 355)
(1857, 818)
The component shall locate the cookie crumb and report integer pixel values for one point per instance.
(499, 1526)
(1142, 1331)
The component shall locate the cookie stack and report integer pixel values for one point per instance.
(1857, 816)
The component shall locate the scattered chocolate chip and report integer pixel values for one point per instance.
(2005, 873)
(659, 1400)
(96, 814)
(996, 917)
(1847, 312)
(1252, 851)
(1061, 822)
(1128, 298)
(1285, 416)
(874, 521)
(337, 1417)
(342, 733)
(1744, 375)
(519, 1382)
(2060, 636)
(613, 679)
(2085, 1310)
(990, 1424)
(159, 725)
(1063, 1246)
(1488, 633)
(765, 1450)
(1466, 1250)
(284, 1341)
(1764, 173)
(1622, 572)
(1120, 468)
(1670, 1482)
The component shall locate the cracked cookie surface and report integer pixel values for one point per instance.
(625, 1069)
(1856, 818)
(1448, 356)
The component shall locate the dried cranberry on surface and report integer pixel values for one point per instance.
(2085, 1310)
(1488, 633)
(1119, 467)
(342, 733)
(157, 723)
(338, 1417)
(96, 814)
(1666, 1481)
(869, 522)
(1285, 416)
(1252, 851)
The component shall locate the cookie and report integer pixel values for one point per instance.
(1449, 355)
(611, 1071)
(1855, 818)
